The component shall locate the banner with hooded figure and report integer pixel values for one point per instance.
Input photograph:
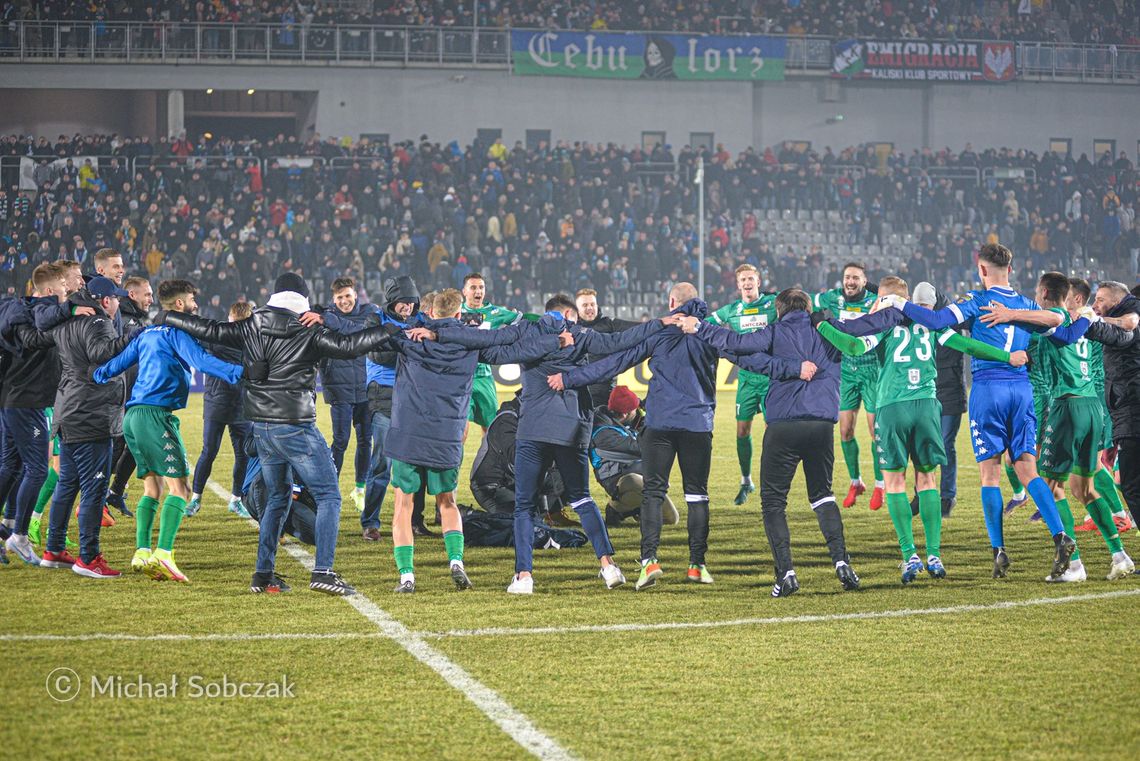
(621, 55)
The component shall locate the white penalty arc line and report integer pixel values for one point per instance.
(776, 620)
(509, 719)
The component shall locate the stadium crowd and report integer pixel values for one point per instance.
(618, 220)
(1104, 22)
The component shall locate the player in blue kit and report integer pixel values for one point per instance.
(1002, 417)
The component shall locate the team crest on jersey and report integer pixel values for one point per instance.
(964, 299)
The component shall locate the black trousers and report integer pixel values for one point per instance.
(1128, 453)
(693, 451)
(123, 465)
(786, 446)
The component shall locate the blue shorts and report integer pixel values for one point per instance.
(1002, 419)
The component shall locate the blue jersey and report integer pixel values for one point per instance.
(1011, 337)
(165, 355)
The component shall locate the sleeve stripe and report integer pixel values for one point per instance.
(1050, 331)
(946, 336)
(957, 312)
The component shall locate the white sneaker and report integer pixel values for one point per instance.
(1122, 566)
(521, 586)
(1074, 574)
(358, 498)
(613, 576)
(21, 545)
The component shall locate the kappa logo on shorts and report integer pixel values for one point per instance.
(168, 446)
(36, 432)
(99, 474)
(171, 458)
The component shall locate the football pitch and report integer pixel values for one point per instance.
(967, 667)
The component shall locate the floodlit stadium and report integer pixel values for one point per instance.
(569, 380)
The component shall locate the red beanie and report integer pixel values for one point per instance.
(623, 401)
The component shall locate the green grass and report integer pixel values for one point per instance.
(1033, 681)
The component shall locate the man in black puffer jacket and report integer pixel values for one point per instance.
(280, 355)
(88, 415)
(134, 312)
(221, 409)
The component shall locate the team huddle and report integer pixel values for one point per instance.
(90, 387)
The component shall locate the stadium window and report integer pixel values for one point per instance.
(699, 140)
(1103, 145)
(650, 140)
(1062, 146)
(536, 136)
(488, 136)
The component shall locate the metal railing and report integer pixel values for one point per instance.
(181, 43)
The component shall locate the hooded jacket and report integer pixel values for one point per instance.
(381, 366)
(554, 417)
(682, 391)
(1121, 370)
(31, 374)
(433, 391)
(133, 319)
(86, 410)
(279, 357)
(780, 349)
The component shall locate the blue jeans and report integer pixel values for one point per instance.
(285, 450)
(26, 433)
(345, 417)
(85, 469)
(379, 473)
(532, 460)
(950, 424)
(212, 431)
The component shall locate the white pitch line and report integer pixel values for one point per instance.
(205, 637)
(509, 719)
(772, 621)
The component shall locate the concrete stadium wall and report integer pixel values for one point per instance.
(453, 103)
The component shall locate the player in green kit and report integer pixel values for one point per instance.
(1079, 294)
(908, 424)
(484, 398)
(858, 381)
(752, 311)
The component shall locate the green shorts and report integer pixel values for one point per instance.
(751, 394)
(409, 478)
(1106, 437)
(910, 431)
(154, 440)
(858, 384)
(484, 401)
(1041, 404)
(1072, 437)
(49, 413)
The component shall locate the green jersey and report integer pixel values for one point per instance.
(493, 317)
(1069, 366)
(746, 318)
(1095, 353)
(1039, 376)
(908, 370)
(846, 309)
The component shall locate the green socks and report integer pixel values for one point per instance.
(899, 507)
(930, 510)
(453, 543)
(144, 521)
(875, 467)
(851, 457)
(360, 485)
(46, 491)
(1014, 481)
(1067, 522)
(1106, 488)
(1102, 516)
(744, 454)
(173, 508)
(403, 555)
